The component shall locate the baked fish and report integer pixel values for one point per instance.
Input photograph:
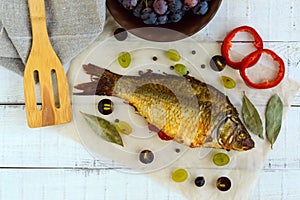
(189, 111)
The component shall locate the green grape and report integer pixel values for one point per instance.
(180, 69)
(123, 127)
(179, 175)
(221, 159)
(173, 54)
(124, 59)
(228, 82)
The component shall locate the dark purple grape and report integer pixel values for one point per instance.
(148, 16)
(176, 17)
(160, 6)
(190, 3)
(145, 13)
(185, 8)
(129, 4)
(150, 3)
(201, 8)
(175, 5)
(162, 19)
(158, 12)
(151, 20)
(138, 9)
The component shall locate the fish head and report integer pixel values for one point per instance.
(232, 134)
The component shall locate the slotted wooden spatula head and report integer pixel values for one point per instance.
(44, 69)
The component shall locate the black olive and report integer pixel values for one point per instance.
(120, 34)
(199, 181)
(105, 106)
(217, 63)
(223, 183)
(146, 156)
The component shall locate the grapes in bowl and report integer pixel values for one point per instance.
(163, 20)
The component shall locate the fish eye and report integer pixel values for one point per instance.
(242, 136)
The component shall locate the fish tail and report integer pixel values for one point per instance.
(102, 81)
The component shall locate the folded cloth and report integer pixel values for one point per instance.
(72, 26)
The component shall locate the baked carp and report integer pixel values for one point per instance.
(189, 111)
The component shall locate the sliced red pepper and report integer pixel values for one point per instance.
(248, 62)
(227, 44)
(162, 135)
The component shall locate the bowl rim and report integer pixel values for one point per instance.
(186, 27)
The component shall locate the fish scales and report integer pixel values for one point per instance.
(184, 108)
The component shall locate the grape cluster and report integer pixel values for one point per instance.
(156, 12)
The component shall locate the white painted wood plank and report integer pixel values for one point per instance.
(21, 146)
(11, 89)
(275, 20)
(77, 185)
(41, 149)
(284, 187)
(111, 184)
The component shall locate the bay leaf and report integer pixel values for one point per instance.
(251, 117)
(274, 112)
(103, 128)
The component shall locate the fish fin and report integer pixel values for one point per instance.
(135, 110)
(93, 70)
(102, 85)
(214, 145)
(86, 88)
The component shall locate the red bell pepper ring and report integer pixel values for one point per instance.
(248, 62)
(227, 44)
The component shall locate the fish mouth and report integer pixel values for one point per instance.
(248, 144)
(245, 145)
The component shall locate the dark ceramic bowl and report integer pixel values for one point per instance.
(187, 26)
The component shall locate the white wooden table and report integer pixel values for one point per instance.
(41, 164)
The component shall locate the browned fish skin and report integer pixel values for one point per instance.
(186, 109)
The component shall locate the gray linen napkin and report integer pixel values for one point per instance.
(72, 26)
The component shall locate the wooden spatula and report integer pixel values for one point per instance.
(44, 66)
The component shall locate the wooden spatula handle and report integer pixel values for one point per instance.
(38, 20)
